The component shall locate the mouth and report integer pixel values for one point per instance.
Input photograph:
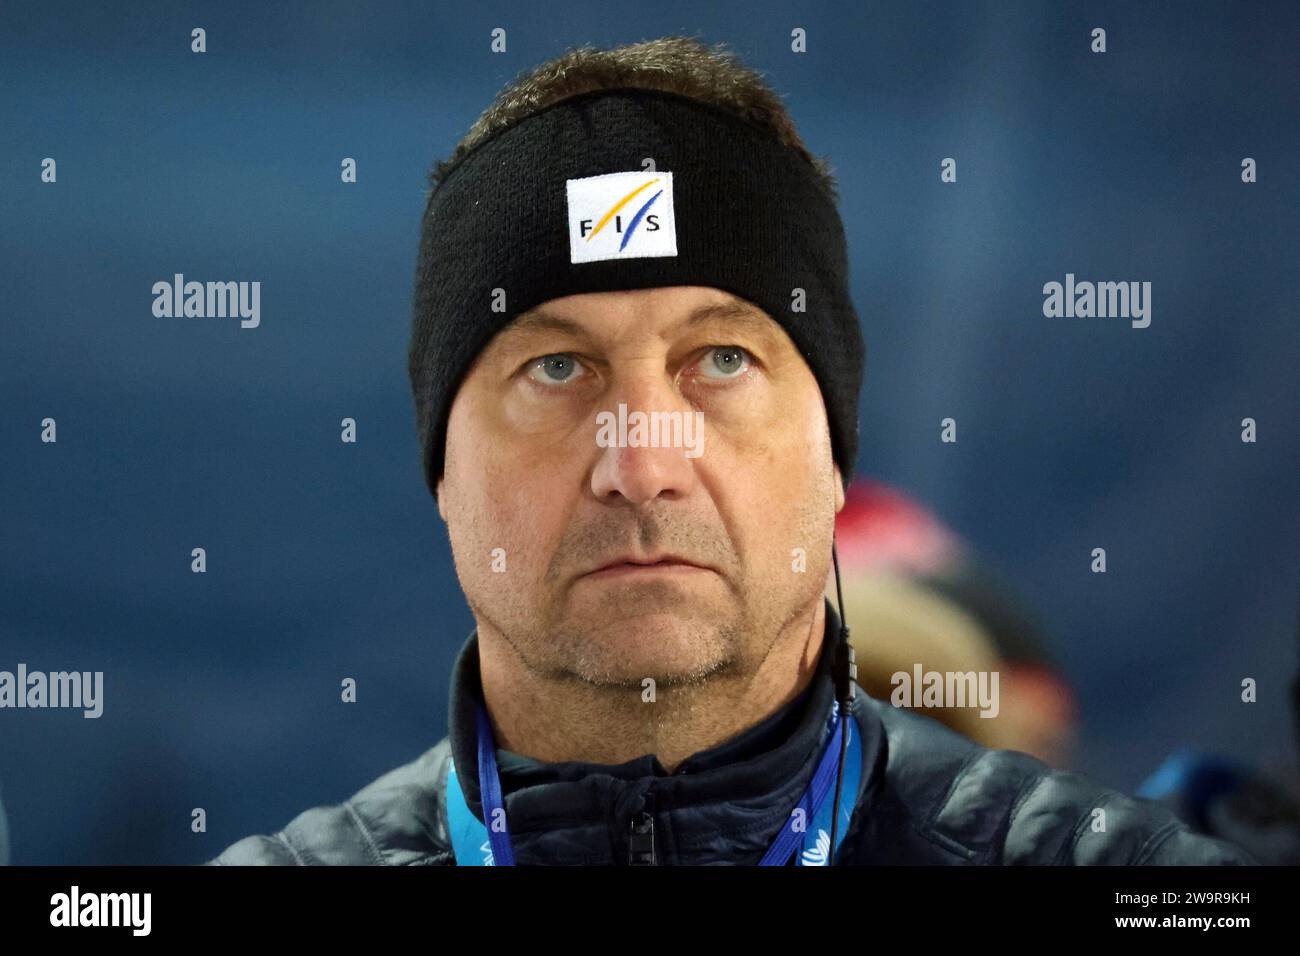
(638, 568)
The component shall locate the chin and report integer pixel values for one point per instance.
(665, 646)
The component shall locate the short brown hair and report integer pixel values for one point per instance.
(674, 64)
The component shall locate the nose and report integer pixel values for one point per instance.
(643, 464)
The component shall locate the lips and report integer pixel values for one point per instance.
(634, 564)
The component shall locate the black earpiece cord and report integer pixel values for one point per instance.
(845, 671)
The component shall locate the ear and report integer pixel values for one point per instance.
(439, 498)
(839, 490)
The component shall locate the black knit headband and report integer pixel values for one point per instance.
(563, 203)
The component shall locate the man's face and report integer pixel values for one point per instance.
(534, 469)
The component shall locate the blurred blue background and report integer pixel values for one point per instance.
(328, 560)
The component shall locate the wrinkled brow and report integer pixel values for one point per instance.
(539, 320)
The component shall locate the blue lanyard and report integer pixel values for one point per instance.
(806, 831)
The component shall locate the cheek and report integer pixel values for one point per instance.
(542, 444)
(809, 429)
(493, 511)
(784, 446)
(783, 486)
(498, 499)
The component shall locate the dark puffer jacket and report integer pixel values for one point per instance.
(926, 796)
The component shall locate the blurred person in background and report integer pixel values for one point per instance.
(916, 594)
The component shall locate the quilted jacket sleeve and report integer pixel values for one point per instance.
(1068, 818)
(944, 799)
(398, 820)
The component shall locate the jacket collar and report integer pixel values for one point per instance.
(723, 805)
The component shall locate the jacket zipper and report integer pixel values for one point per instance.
(641, 845)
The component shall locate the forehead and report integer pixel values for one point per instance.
(662, 312)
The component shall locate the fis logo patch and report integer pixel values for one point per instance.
(621, 216)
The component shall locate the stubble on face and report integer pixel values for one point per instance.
(680, 634)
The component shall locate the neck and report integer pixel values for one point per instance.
(556, 720)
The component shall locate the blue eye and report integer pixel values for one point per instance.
(728, 360)
(554, 369)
